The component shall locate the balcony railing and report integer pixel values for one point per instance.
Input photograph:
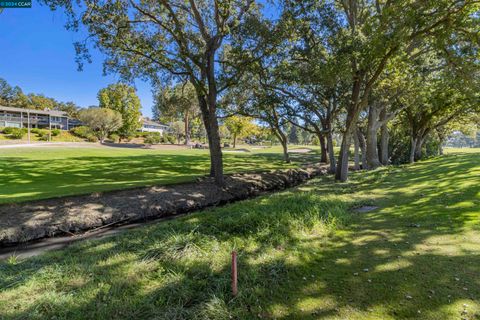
(24, 119)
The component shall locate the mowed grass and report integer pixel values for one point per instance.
(303, 254)
(45, 172)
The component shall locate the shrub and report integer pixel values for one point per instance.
(41, 132)
(115, 137)
(153, 138)
(85, 133)
(35, 130)
(92, 138)
(142, 134)
(55, 132)
(16, 133)
(8, 130)
(42, 136)
(81, 131)
(170, 138)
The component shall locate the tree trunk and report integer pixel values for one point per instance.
(331, 152)
(418, 149)
(356, 155)
(284, 142)
(384, 144)
(413, 145)
(363, 147)
(215, 148)
(187, 132)
(213, 136)
(286, 156)
(341, 173)
(323, 148)
(372, 127)
(234, 140)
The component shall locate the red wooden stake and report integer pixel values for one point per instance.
(234, 273)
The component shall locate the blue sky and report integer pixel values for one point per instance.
(37, 54)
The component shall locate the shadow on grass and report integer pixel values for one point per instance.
(416, 257)
(23, 179)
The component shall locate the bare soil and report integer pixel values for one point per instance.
(28, 221)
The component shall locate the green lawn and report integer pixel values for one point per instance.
(303, 254)
(44, 172)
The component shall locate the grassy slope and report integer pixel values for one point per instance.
(302, 255)
(35, 173)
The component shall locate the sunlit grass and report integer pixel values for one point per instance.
(36, 173)
(303, 254)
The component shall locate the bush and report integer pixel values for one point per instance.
(142, 134)
(153, 138)
(41, 132)
(16, 133)
(170, 138)
(43, 136)
(81, 131)
(114, 137)
(85, 133)
(8, 130)
(55, 132)
(35, 130)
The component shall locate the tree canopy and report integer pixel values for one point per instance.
(385, 76)
(123, 99)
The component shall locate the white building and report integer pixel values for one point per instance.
(152, 126)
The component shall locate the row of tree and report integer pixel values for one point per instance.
(13, 96)
(389, 76)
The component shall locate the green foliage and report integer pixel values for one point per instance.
(240, 127)
(169, 138)
(153, 138)
(43, 137)
(178, 130)
(8, 130)
(16, 133)
(41, 132)
(123, 99)
(55, 132)
(82, 131)
(174, 103)
(114, 137)
(101, 121)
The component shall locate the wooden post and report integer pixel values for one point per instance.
(234, 274)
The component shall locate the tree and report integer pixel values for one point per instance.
(123, 99)
(6, 93)
(364, 36)
(186, 40)
(177, 102)
(178, 129)
(239, 126)
(102, 121)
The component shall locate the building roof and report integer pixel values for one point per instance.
(153, 123)
(54, 113)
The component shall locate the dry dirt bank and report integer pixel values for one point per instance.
(46, 218)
